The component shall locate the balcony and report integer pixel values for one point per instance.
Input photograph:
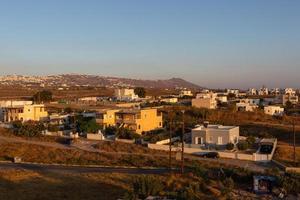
(125, 121)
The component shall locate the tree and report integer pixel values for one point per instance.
(110, 130)
(242, 145)
(29, 128)
(140, 91)
(250, 140)
(87, 125)
(125, 133)
(43, 96)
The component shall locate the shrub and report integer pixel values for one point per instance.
(229, 146)
(145, 186)
(29, 129)
(250, 140)
(291, 183)
(242, 145)
(111, 130)
(228, 186)
(125, 133)
(86, 124)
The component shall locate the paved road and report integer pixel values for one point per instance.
(79, 169)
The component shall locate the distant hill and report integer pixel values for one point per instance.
(67, 80)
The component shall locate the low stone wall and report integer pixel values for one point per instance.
(124, 140)
(293, 169)
(91, 136)
(167, 140)
(231, 155)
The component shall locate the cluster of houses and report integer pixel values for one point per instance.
(272, 104)
(137, 119)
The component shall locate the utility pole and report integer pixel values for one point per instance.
(294, 132)
(170, 138)
(182, 143)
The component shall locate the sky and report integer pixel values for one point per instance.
(213, 43)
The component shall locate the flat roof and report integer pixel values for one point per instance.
(215, 127)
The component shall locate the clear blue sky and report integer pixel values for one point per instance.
(214, 43)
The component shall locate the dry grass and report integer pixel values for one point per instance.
(24, 184)
(285, 154)
(124, 147)
(42, 154)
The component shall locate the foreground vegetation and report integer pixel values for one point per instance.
(200, 183)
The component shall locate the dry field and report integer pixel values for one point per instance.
(25, 184)
(285, 154)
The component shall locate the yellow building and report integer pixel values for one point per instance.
(106, 118)
(35, 112)
(138, 120)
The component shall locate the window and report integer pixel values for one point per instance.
(201, 140)
(196, 140)
(220, 140)
(139, 126)
(159, 123)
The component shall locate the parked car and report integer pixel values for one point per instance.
(209, 155)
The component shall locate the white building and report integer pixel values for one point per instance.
(252, 91)
(250, 101)
(275, 91)
(14, 103)
(274, 110)
(169, 100)
(88, 99)
(290, 91)
(185, 93)
(125, 94)
(263, 91)
(291, 98)
(215, 135)
(222, 98)
(205, 100)
(248, 105)
(233, 91)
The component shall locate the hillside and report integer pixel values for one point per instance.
(67, 80)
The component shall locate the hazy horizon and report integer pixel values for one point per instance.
(216, 44)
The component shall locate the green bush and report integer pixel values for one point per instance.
(250, 140)
(229, 146)
(145, 186)
(242, 145)
(291, 183)
(28, 129)
(125, 133)
(228, 186)
(110, 130)
(87, 124)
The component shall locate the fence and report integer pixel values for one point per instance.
(194, 149)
